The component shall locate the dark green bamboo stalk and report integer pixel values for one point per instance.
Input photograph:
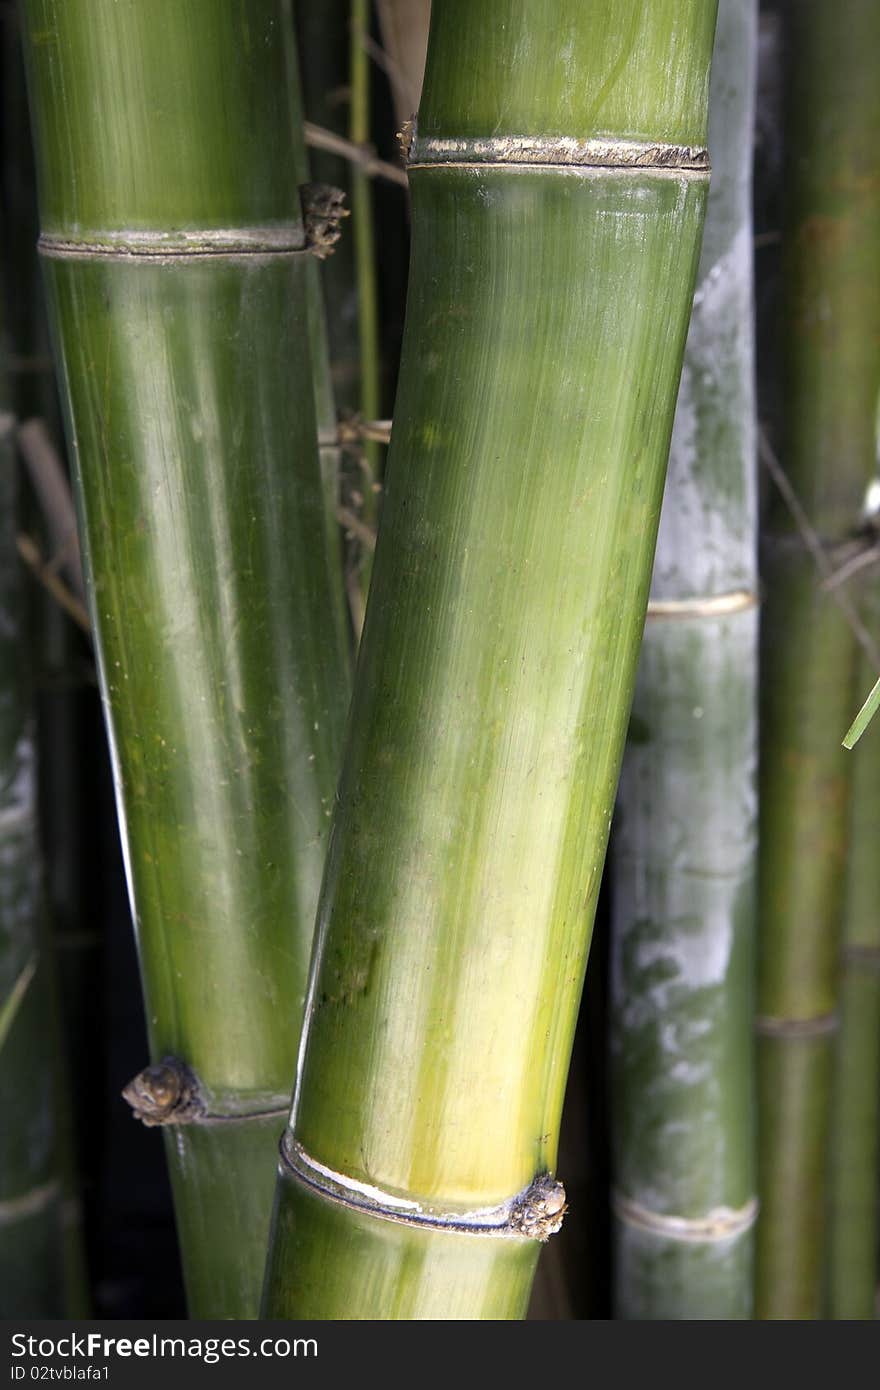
(557, 210)
(685, 841)
(831, 358)
(174, 252)
(54, 652)
(31, 1244)
(855, 1126)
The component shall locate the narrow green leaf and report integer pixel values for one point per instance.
(12, 1003)
(863, 718)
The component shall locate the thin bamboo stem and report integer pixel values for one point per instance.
(546, 320)
(365, 275)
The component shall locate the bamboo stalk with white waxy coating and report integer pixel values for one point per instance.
(684, 840)
(557, 210)
(174, 248)
(831, 369)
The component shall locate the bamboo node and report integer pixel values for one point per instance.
(534, 1213)
(538, 1212)
(767, 1026)
(723, 1223)
(323, 208)
(165, 1094)
(512, 151)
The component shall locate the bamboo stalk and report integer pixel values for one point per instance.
(685, 838)
(31, 1246)
(854, 1223)
(49, 643)
(174, 252)
(365, 279)
(831, 365)
(556, 219)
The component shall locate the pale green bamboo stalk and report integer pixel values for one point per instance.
(685, 838)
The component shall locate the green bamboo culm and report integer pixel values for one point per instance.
(854, 1223)
(174, 252)
(32, 1280)
(50, 651)
(831, 369)
(684, 842)
(557, 211)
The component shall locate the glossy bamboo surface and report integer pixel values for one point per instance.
(685, 831)
(546, 318)
(831, 361)
(191, 424)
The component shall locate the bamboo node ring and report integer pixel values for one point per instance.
(723, 1223)
(535, 1213)
(503, 151)
(769, 1027)
(165, 1094)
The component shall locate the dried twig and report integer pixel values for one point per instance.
(817, 549)
(50, 484)
(319, 138)
(30, 553)
(352, 522)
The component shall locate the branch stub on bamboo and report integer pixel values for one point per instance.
(323, 208)
(165, 1094)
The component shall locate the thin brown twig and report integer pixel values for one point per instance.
(30, 554)
(319, 138)
(352, 429)
(392, 69)
(867, 555)
(816, 548)
(349, 519)
(49, 481)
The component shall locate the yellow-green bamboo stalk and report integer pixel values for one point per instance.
(557, 210)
